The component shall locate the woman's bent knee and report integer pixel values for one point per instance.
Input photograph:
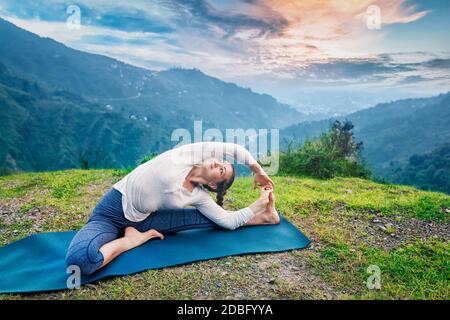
(83, 261)
(84, 249)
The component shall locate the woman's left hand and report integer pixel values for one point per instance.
(262, 179)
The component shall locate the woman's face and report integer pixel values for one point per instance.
(217, 171)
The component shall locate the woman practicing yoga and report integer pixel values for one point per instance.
(150, 201)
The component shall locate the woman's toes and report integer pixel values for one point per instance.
(154, 234)
(138, 238)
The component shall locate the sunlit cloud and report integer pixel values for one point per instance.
(264, 36)
(323, 42)
(314, 31)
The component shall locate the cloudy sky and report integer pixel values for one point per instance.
(291, 49)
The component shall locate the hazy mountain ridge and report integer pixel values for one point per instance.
(62, 107)
(44, 130)
(430, 171)
(391, 132)
(137, 91)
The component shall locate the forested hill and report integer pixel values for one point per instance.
(132, 90)
(391, 132)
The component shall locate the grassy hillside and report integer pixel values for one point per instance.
(353, 224)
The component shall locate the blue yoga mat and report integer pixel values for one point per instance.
(36, 263)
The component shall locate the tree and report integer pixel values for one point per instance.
(342, 140)
(93, 158)
(335, 153)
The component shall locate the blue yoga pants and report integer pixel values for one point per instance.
(107, 223)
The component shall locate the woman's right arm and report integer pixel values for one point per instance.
(231, 219)
(200, 151)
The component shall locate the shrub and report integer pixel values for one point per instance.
(335, 153)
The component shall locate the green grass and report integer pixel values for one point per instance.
(420, 270)
(416, 271)
(336, 214)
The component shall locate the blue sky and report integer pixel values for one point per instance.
(290, 49)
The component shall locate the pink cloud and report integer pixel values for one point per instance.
(318, 30)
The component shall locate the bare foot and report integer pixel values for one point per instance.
(270, 214)
(138, 238)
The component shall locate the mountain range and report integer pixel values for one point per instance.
(391, 132)
(61, 106)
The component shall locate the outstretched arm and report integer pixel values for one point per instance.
(226, 219)
(233, 219)
(201, 151)
(242, 155)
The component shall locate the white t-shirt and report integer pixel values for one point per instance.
(158, 184)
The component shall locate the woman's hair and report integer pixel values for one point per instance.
(222, 188)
